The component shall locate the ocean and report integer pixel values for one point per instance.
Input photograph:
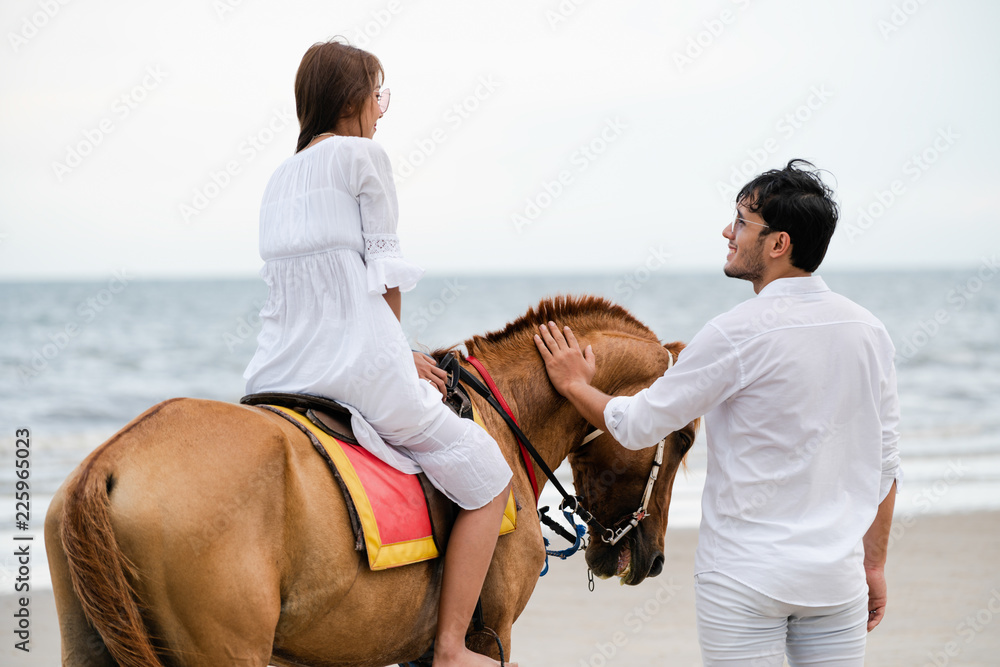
(80, 359)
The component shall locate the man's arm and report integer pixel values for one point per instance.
(571, 370)
(876, 543)
(876, 540)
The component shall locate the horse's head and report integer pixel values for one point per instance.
(612, 481)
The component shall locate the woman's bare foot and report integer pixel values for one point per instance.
(466, 658)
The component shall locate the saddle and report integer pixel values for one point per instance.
(329, 416)
(387, 522)
(335, 420)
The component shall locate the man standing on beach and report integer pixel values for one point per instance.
(798, 390)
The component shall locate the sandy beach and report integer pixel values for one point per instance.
(944, 607)
(941, 571)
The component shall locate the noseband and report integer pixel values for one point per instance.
(614, 534)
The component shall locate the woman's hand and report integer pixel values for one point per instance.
(428, 370)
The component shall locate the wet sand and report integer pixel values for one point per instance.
(944, 607)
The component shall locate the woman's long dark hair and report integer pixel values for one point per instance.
(334, 81)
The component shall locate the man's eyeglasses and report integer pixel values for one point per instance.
(739, 223)
(383, 99)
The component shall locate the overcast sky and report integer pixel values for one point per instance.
(527, 136)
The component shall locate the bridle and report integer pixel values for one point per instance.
(618, 531)
(570, 503)
(613, 535)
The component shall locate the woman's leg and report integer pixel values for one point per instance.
(467, 558)
(463, 462)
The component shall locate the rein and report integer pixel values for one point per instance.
(569, 503)
(495, 392)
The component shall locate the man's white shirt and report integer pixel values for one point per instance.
(798, 390)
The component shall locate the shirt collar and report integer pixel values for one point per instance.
(794, 286)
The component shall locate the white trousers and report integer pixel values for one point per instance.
(737, 626)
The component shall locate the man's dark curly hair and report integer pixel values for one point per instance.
(796, 201)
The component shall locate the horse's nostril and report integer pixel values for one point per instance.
(657, 565)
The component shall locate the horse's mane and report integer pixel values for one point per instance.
(582, 313)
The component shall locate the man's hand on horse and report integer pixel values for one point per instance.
(565, 363)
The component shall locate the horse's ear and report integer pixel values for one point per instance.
(674, 348)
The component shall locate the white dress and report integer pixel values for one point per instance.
(328, 240)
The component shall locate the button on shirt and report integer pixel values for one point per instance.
(798, 391)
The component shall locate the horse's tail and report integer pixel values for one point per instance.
(99, 570)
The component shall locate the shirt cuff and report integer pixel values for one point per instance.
(614, 417)
(888, 478)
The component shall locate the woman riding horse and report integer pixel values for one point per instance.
(334, 269)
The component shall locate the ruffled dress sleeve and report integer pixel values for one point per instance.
(371, 180)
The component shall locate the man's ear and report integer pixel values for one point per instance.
(781, 245)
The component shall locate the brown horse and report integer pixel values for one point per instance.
(208, 533)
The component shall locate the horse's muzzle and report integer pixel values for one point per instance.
(657, 566)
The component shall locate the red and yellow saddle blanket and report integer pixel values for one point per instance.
(393, 513)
